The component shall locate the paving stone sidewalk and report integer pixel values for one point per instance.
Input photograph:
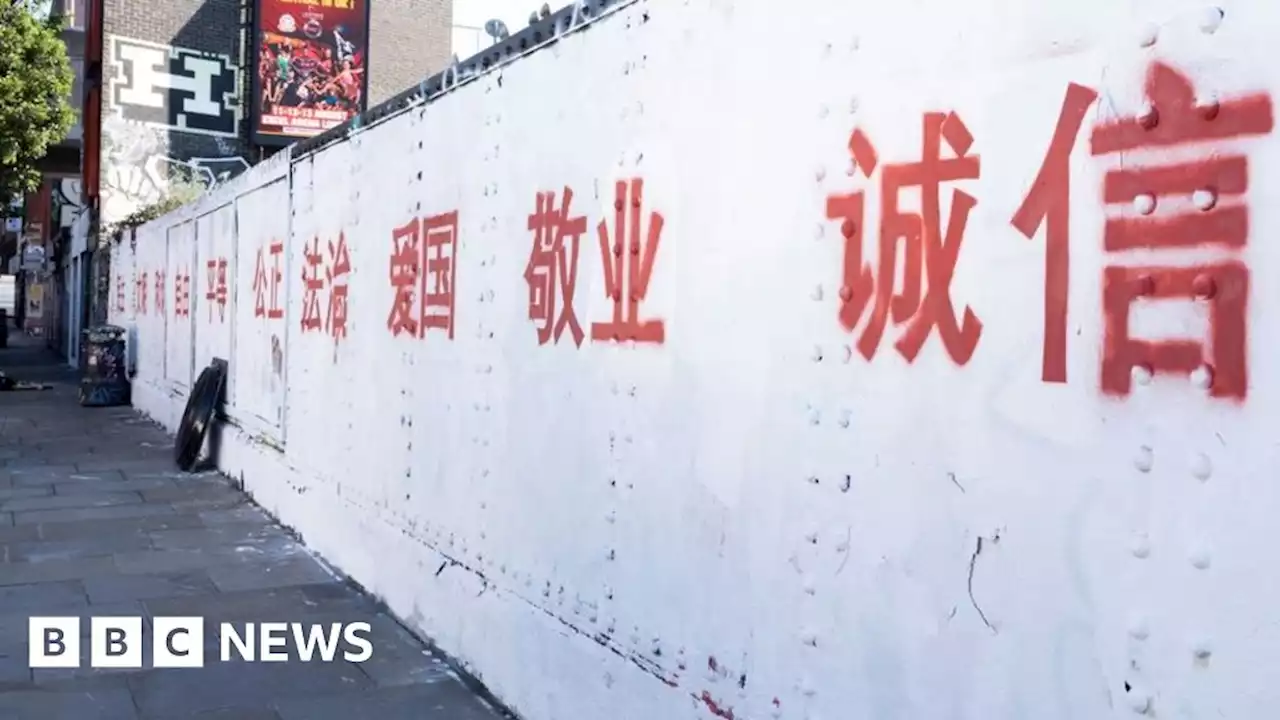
(96, 520)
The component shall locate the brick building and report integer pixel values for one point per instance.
(175, 88)
(408, 40)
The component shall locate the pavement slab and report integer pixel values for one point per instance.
(95, 520)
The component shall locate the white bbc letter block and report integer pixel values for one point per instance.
(115, 642)
(272, 637)
(53, 642)
(177, 642)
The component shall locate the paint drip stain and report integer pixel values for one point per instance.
(715, 708)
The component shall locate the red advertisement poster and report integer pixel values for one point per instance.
(311, 65)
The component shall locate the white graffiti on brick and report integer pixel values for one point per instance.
(173, 87)
(137, 167)
(67, 201)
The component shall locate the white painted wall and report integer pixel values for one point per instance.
(752, 517)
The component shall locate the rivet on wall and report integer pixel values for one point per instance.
(1199, 557)
(1140, 546)
(1201, 467)
(1202, 377)
(1139, 702)
(1141, 374)
(1144, 459)
(1148, 34)
(1205, 199)
(1210, 20)
(1138, 628)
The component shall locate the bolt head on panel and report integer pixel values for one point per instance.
(1140, 546)
(1200, 557)
(1201, 466)
(1147, 35)
(1144, 459)
(1202, 377)
(1138, 627)
(1141, 375)
(1210, 20)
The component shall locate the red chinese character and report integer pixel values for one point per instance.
(406, 267)
(264, 284)
(160, 288)
(928, 253)
(312, 285)
(1225, 286)
(441, 233)
(182, 295)
(275, 312)
(140, 294)
(1216, 184)
(553, 268)
(217, 284)
(1048, 203)
(260, 286)
(423, 255)
(628, 273)
(335, 319)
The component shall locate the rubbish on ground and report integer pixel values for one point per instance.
(8, 383)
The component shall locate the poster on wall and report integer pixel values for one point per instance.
(310, 67)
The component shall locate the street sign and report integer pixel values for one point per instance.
(32, 257)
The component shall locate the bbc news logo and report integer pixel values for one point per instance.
(178, 642)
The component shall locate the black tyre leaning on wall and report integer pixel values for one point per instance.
(202, 407)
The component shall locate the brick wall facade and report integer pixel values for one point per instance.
(199, 125)
(149, 133)
(408, 40)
